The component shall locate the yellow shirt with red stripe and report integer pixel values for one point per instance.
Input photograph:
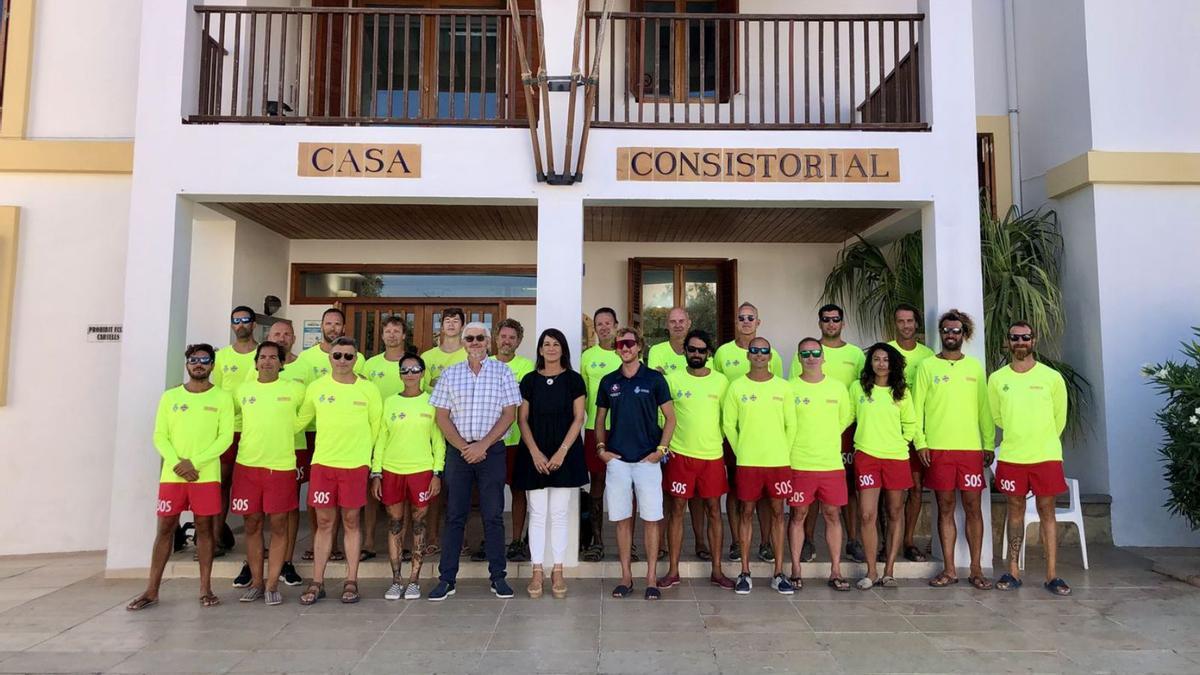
(885, 426)
(595, 363)
(950, 399)
(268, 423)
(384, 374)
(697, 414)
(230, 369)
(759, 419)
(1031, 408)
(313, 363)
(409, 438)
(912, 360)
(196, 427)
(732, 362)
(520, 367)
(823, 412)
(347, 418)
(436, 362)
(844, 364)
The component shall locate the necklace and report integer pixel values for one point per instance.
(549, 380)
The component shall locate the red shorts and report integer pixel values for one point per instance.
(827, 487)
(756, 482)
(951, 470)
(332, 487)
(889, 474)
(510, 456)
(230, 454)
(407, 487)
(304, 457)
(1042, 479)
(689, 477)
(202, 499)
(259, 490)
(595, 465)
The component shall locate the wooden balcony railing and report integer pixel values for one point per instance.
(757, 71)
(361, 66)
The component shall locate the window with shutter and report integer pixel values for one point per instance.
(683, 59)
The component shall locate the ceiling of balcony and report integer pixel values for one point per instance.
(519, 223)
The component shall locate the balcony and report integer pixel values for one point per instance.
(666, 69)
(362, 66)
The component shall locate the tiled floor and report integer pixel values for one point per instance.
(58, 614)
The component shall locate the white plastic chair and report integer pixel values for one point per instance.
(1072, 514)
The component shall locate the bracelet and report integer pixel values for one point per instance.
(376, 474)
(601, 446)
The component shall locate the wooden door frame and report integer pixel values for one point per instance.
(347, 306)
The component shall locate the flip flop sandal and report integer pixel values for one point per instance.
(273, 598)
(139, 603)
(312, 594)
(350, 597)
(1057, 586)
(622, 591)
(308, 555)
(838, 584)
(406, 556)
(914, 554)
(432, 549)
(594, 553)
(252, 594)
(864, 584)
(888, 582)
(364, 556)
(337, 556)
(1008, 583)
(797, 582)
(209, 600)
(704, 555)
(653, 593)
(980, 583)
(943, 580)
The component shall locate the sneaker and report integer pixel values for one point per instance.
(288, 575)
(808, 552)
(243, 577)
(412, 591)
(780, 583)
(442, 591)
(502, 590)
(721, 582)
(735, 552)
(766, 553)
(516, 552)
(855, 550)
(394, 592)
(743, 585)
(669, 581)
(480, 554)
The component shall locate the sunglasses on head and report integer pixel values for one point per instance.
(695, 350)
(475, 338)
(810, 353)
(626, 344)
(1024, 337)
(411, 370)
(239, 320)
(746, 317)
(759, 350)
(199, 360)
(342, 356)
(952, 331)
(831, 319)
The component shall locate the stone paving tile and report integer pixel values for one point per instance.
(323, 660)
(522, 662)
(419, 661)
(776, 662)
(619, 661)
(1129, 661)
(658, 641)
(62, 662)
(191, 661)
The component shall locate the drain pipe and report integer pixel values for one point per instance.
(1014, 108)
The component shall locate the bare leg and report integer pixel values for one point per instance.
(912, 509)
(370, 516)
(322, 542)
(797, 534)
(352, 540)
(1016, 533)
(160, 553)
(733, 512)
(833, 538)
(775, 510)
(868, 517)
(765, 524)
(395, 539)
(254, 548)
(419, 518)
(1049, 528)
(204, 546)
(746, 533)
(853, 517)
(625, 548)
(697, 511)
(972, 502)
(894, 500)
(716, 538)
(810, 523)
(674, 533)
(293, 530)
(948, 530)
(279, 542)
(520, 509)
(226, 489)
(650, 531)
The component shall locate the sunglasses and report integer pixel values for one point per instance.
(239, 320)
(747, 317)
(831, 319)
(810, 353)
(759, 350)
(474, 338)
(199, 360)
(952, 331)
(695, 350)
(626, 344)
(412, 370)
(1025, 337)
(342, 356)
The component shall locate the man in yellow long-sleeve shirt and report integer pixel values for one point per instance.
(758, 416)
(233, 365)
(954, 440)
(1029, 402)
(347, 409)
(193, 426)
(906, 319)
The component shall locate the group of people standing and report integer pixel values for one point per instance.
(689, 426)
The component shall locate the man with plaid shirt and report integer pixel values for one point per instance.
(476, 402)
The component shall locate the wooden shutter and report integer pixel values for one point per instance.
(727, 301)
(635, 294)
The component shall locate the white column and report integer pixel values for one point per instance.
(156, 276)
(953, 276)
(560, 297)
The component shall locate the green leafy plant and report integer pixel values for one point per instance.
(1020, 258)
(1180, 421)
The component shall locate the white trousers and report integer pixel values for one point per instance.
(554, 502)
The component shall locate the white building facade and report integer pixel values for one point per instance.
(161, 162)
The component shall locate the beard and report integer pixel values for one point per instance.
(696, 363)
(951, 345)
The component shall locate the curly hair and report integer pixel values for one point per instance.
(895, 378)
(968, 324)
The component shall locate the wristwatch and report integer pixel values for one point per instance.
(438, 473)
(376, 474)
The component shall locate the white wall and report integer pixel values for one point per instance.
(260, 265)
(58, 425)
(991, 84)
(85, 61)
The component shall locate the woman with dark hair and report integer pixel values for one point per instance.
(886, 424)
(550, 464)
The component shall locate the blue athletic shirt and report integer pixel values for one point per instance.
(633, 404)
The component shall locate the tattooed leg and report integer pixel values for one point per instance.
(418, 529)
(395, 540)
(1016, 533)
